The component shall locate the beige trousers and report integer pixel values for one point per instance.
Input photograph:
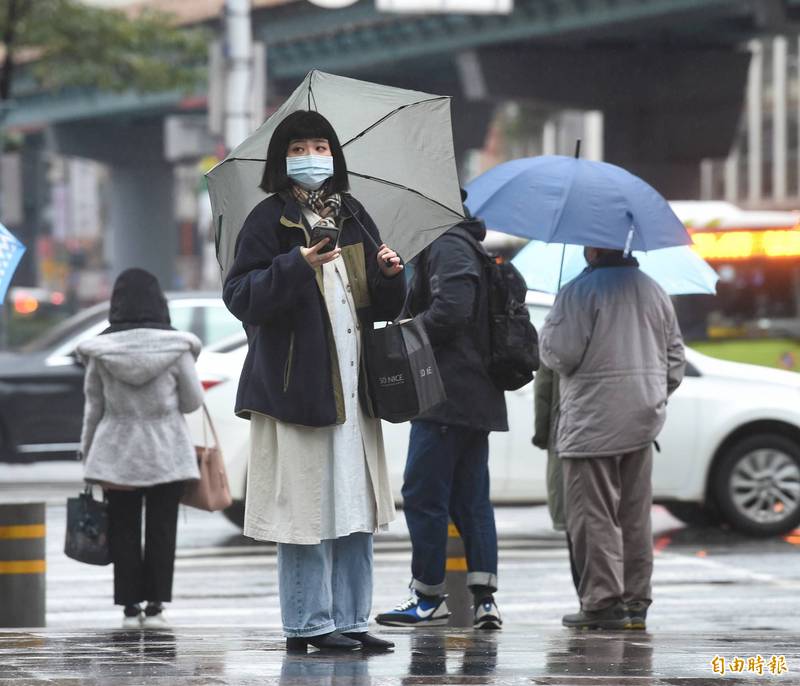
(608, 501)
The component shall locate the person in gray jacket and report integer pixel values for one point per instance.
(140, 381)
(613, 339)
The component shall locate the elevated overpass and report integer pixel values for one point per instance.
(668, 74)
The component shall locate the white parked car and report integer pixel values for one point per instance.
(730, 448)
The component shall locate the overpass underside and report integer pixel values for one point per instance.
(669, 76)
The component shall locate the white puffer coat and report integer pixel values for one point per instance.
(139, 384)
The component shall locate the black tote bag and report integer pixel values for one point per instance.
(402, 374)
(87, 530)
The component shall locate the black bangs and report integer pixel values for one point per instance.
(308, 125)
(301, 125)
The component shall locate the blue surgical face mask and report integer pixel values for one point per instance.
(309, 171)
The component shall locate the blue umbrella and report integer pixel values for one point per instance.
(679, 270)
(11, 252)
(559, 199)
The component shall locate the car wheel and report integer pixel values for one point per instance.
(693, 514)
(235, 513)
(757, 485)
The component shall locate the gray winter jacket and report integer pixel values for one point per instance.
(613, 338)
(139, 384)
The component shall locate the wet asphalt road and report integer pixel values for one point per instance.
(717, 595)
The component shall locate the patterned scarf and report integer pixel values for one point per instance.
(320, 201)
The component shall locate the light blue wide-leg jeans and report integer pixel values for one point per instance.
(326, 587)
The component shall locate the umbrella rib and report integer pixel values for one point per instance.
(568, 190)
(391, 114)
(311, 96)
(405, 188)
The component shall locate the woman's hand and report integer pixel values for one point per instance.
(389, 261)
(313, 256)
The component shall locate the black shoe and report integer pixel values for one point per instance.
(610, 618)
(153, 609)
(132, 618)
(133, 610)
(368, 641)
(637, 611)
(331, 641)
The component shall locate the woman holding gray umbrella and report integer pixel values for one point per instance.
(310, 274)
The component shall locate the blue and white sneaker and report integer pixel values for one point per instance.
(487, 616)
(417, 611)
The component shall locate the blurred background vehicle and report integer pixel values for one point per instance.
(729, 452)
(755, 315)
(41, 383)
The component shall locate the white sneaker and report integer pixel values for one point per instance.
(417, 611)
(158, 621)
(134, 622)
(487, 616)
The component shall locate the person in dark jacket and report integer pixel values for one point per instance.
(447, 469)
(318, 482)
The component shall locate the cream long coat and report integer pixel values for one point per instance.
(298, 490)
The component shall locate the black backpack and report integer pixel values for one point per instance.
(513, 341)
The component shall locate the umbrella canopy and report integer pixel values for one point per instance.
(559, 199)
(11, 252)
(679, 270)
(399, 150)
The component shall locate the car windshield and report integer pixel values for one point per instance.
(65, 330)
(207, 318)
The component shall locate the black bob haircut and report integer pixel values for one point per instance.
(302, 125)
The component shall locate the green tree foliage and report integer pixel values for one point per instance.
(62, 43)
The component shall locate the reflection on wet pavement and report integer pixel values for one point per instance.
(444, 656)
(716, 594)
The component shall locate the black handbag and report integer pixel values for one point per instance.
(403, 378)
(402, 374)
(87, 529)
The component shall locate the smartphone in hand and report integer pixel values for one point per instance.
(321, 231)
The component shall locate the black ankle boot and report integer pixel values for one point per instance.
(331, 641)
(368, 641)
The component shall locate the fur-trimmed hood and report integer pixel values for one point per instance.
(137, 356)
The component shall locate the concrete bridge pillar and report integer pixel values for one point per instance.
(141, 230)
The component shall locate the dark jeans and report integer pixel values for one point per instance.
(143, 575)
(447, 475)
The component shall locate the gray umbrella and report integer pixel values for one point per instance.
(399, 150)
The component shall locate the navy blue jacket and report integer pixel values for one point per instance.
(288, 374)
(451, 293)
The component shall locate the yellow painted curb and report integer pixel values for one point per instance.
(23, 567)
(456, 564)
(22, 531)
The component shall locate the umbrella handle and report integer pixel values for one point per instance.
(628, 243)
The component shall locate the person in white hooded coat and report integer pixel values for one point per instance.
(140, 381)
